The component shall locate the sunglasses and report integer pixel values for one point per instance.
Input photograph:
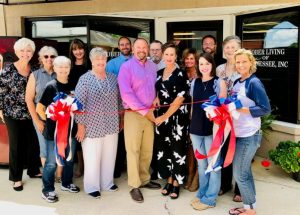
(51, 56)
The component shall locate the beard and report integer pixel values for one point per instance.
(125, 52)
(141, 56)
(155, 59)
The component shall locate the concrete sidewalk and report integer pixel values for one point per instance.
(277, 194)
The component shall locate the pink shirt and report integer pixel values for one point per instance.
(137, 84)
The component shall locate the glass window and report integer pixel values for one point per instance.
(273, 38)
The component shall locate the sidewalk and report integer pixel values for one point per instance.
(277, 194)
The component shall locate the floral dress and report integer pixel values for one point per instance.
(171, 135)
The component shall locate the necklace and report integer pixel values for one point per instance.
(205, 85)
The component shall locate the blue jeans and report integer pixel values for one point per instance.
(42, 142)
(209, 183)
(245, 150)
(50, 168)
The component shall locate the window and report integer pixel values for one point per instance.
(273, 38)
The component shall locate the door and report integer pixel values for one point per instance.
(189, 34)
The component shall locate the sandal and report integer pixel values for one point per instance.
(237, 211)
(175, 191)
(237, 198)
(168, 187)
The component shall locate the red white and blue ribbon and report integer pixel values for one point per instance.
(62, 111)
(221, 111)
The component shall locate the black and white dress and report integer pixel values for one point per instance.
(171, 135)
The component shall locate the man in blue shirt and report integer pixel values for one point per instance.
(124, 45)
(113, 66)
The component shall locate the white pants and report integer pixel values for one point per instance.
(99, 155)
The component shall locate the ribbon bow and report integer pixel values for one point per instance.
(220, 111)
(62, 111)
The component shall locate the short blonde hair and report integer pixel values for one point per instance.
(249, 54)
(24, 43)
(96, 52)
(61, 60)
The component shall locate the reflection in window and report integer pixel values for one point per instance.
(284, 34)
(273, 38)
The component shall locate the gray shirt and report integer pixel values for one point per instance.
(42, 77)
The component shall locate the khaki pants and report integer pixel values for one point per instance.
(139, 137)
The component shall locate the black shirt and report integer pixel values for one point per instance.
(200, 124)
(52, 88)
(76, 72)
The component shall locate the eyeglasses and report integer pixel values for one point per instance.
(155, 50)
(51, 56)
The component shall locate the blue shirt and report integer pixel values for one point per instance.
(114, 65)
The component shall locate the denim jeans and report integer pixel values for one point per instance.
(50, 168)
(209, 183)
(245, 150)
(42, 142)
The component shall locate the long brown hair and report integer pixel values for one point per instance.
(77, 44)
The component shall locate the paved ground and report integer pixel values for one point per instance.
(277, 194)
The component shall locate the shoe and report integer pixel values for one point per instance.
(50, 196)
(194, 201)
(175, 190)
(152, 185)
(113, 188)
(18, 188)
(237, 198)
(95, 194)
(57, 179)
(168, 187)
(137, 195)
(72, 188)
(36, 176)
(237, 211)
(197, 205)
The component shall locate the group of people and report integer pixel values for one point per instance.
(141, 106)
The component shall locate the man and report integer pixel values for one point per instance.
(209, 45)
(156, 54)
(113, 66)
(136, 80)
(124, 45)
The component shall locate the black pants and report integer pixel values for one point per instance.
(121, 155)
(23, 148)
(226, 173)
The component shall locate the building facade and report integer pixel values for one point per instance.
(270, 29)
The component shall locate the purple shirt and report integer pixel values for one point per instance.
(137, 84)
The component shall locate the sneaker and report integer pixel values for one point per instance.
(95, 194)
(72, 188)
(50, 196)
(57, 179)
(113, 188)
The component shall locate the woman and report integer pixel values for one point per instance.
(172, 88)
(35, 87)
(251, 92)
(201, 130)
(190, 59)
(79, 66)
(61, 67)
(23, 144)
(98, 128)
(228, 73)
